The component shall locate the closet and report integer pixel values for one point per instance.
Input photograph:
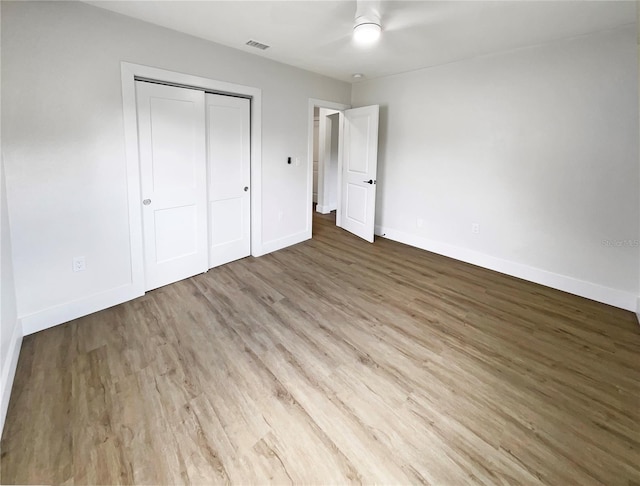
(195, 180)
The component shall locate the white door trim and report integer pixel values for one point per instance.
(313, 102)
(129, 72)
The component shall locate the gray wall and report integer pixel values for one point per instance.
(538, 145)
(64, 145)
(10, 331)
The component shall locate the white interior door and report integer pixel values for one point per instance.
(359, 171)
(174, 182)
(228, 154)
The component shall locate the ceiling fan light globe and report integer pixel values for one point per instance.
(366, 33)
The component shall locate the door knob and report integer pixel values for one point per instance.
(370, 181)
(146, 202)
(246, 188)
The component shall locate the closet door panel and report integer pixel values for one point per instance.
(228, 154)
(171, 131)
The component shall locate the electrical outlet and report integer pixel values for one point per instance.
(79, 264)
(280, 215)
(475, 228)
(419, 222)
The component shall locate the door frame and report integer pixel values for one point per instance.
(332, 105)
(129, 72)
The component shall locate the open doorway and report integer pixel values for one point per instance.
(326, 143)
(343, 186)
(324, 152)
(316, 152)
(325, 160)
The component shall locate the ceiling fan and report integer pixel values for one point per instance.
(367, 27)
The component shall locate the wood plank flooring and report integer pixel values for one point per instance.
(333, 361)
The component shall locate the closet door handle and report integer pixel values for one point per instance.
(246, 188)
(146, 202)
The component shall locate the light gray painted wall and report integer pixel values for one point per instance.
(638, 54)
(64, 148)
(10, 332)
(539, 146)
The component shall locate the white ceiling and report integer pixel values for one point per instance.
(316, 35)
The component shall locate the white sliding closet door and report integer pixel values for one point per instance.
(173, 172)
(228, 156)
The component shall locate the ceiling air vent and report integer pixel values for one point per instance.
(257, 45)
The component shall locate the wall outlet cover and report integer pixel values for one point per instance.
(79, 264)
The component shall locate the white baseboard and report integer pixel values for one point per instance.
(281, 243)
(68, 311)
(39, 321)
(326, 209)
(323, 209)
(599, 293)
(638, 310)
(9, 372)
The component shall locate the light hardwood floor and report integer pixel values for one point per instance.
(333, 361)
